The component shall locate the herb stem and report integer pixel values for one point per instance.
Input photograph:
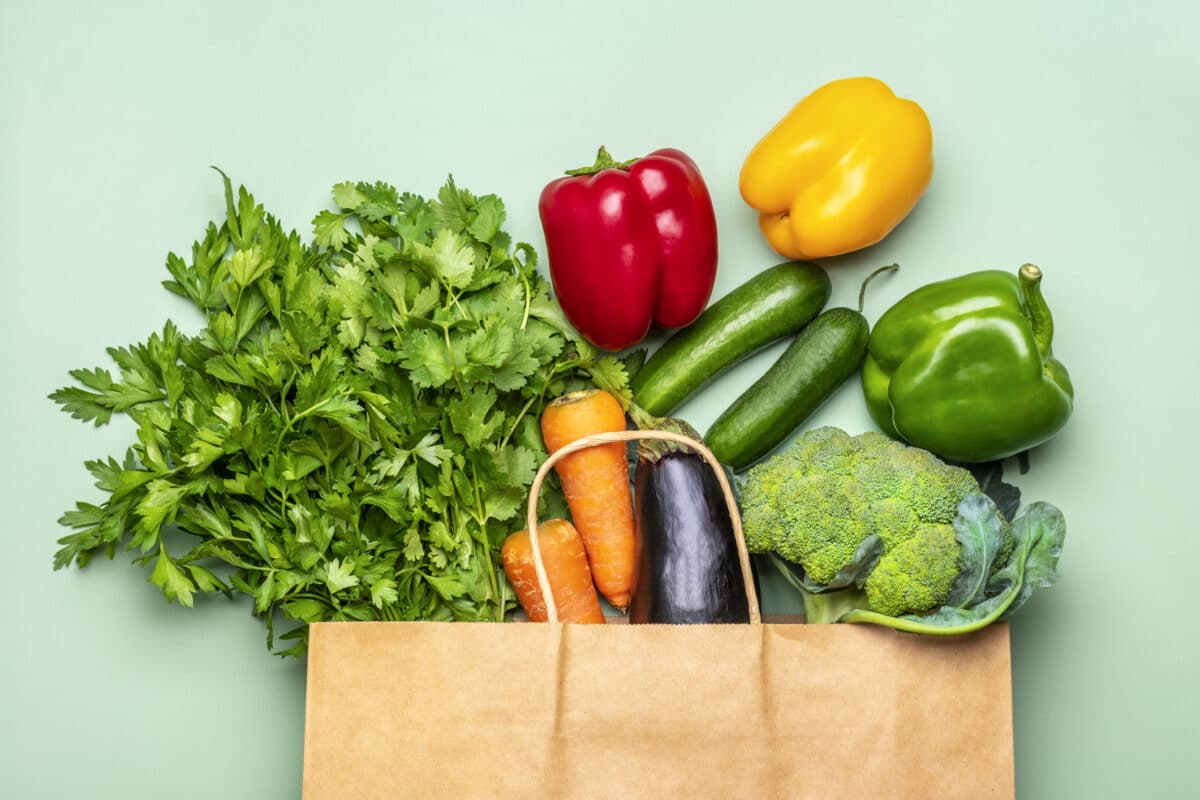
(292, 422)
(528, 297)
(283, 498)
(521, 415)
(481, 520)
(454, 300)
(450, 358)
(559, 367)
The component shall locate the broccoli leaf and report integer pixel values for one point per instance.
(980, 531)
(990, 475)
(1044, 528)
(854, 572)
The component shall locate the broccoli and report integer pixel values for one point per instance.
(869, 529)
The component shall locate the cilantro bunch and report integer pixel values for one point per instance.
(352, 432)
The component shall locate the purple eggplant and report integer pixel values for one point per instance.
(688, 569)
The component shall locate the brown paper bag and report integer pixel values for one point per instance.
(478, 710)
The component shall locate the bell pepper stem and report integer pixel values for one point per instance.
(603, 161)
(862, 290)
(1036, 310)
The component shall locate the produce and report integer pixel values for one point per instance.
(868, 529)
(816, 363)
(688, 561)
(630, 244)
(351, 432)
(963, 367)
(840, 170)
(566, 566)
(775, 303)
(595, 483)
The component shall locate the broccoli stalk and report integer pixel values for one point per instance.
(821, 608)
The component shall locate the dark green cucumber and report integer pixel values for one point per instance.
(773, 304)
(818, 361)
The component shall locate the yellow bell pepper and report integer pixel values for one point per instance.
(840, 171)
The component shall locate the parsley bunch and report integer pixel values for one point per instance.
(352, 433)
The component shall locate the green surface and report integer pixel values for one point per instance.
(1064, 135)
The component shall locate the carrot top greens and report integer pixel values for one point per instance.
(352, 431)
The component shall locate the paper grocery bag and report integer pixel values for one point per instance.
(478, 710)
(492, 710)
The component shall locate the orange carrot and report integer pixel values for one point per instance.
(566, 567)
(596, 484)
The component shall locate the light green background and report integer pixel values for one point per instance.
(1065, 134)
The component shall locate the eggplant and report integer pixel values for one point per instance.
(688, 568)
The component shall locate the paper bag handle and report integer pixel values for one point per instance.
(584, 443)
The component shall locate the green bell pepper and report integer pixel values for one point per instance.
(963, 367)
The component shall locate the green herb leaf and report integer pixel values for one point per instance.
(348, 196)
(449, 258)
(329, 229)
(339, 576)
(168, 577)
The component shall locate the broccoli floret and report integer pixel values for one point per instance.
(833, 511)
(915, 575)
(932, 488)
(894, 520)
(816, 503)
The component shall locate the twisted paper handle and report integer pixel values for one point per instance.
(625, 436)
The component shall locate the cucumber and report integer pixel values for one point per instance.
(818, 361)
(775, 303)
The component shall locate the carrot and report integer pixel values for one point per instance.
(596, 484)
(566, 567)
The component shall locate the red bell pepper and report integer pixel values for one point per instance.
(630, 244)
